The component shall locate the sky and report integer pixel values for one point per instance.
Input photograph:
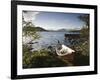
(54, 20)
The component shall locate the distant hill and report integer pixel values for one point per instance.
(62, 30)
(39, 29)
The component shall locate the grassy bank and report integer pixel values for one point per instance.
(45, 58)
(42, 58)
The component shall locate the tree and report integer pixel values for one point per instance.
(85, 30)
(29, 29)
(85, 19)
(83, 45)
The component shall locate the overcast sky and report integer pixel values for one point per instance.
(54, 20)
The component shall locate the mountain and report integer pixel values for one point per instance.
(59, 30)
(39, 29)
(62, 30)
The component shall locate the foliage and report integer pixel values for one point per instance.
(83, 45)
(81, 57)
(42, 58)
(82, 48)
(30, 31)
(85, 19)
(84, 33)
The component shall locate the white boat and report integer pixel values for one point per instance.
(64, 50)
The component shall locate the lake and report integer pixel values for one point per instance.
(51, 39)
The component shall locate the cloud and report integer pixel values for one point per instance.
(29, 15)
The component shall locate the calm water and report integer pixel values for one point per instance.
(50, 39)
